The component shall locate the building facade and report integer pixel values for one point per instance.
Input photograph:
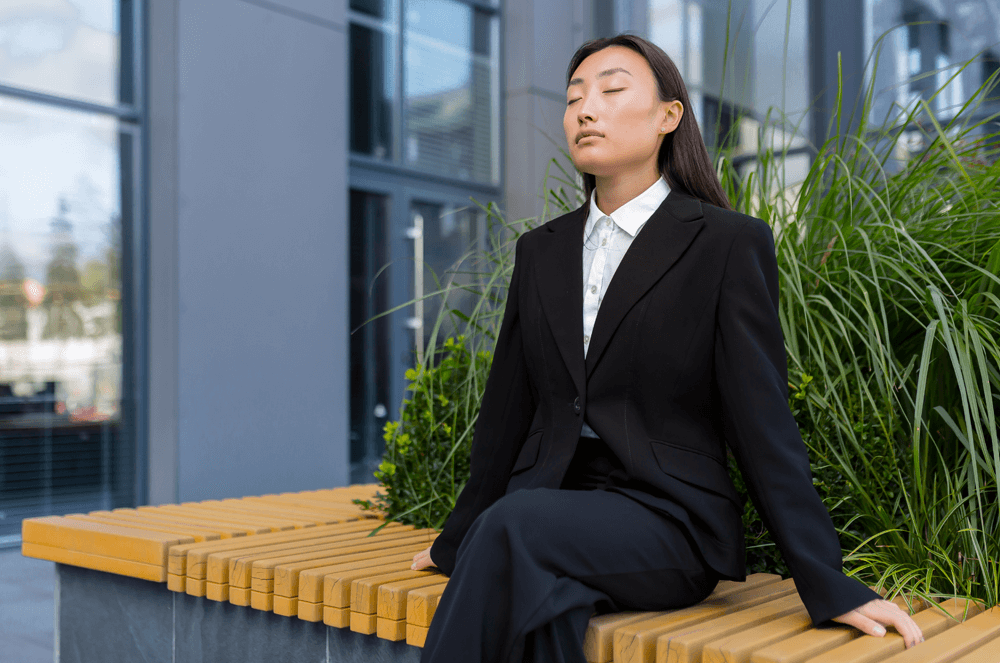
(205, 205)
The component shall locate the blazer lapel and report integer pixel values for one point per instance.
(559, 274)
(660, 243)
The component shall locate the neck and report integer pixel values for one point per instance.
(614, 191)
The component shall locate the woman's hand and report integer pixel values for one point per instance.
(869, 618)
(422, 559)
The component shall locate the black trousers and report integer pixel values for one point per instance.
(538, 564)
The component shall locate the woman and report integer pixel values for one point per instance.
(598, 474)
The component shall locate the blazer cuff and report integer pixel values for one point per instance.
(443, 554)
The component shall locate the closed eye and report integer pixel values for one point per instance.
(606, 91)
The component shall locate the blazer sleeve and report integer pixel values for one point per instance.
(751, 371)
(505, 413)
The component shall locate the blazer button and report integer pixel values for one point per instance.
(576, 405)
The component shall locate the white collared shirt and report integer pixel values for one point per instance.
(606, 238)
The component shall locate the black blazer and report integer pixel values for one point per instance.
(686, 355)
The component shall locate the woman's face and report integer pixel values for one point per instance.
(622, 106)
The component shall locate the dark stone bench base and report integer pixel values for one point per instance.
(111, 618)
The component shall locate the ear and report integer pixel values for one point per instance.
(673, 111)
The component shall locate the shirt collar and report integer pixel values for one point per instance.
(632, 215)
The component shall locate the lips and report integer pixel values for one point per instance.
(586, 134)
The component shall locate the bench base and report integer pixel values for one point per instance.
(110, 618)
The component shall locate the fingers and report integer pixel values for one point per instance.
(871, 617)
(879, 613)
(422, 560)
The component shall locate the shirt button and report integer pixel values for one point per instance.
(593, 288)
(604, 241)
(586, 338)
(608, 222)
(576, 405)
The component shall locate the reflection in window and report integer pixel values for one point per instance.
(449, 234)
(60, 312)
(373, 85)
(369, 345)
(69, 48)
(451, 90)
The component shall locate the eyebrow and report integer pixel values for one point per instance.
(606, 72)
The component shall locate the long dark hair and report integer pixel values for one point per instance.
(683, 160)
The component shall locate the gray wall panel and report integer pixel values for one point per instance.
(262, 244)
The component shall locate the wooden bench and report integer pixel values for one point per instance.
(309, 556)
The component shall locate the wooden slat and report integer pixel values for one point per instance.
(961, 639)
(195, 533)
(310, 580)
(932, 623)
(192, 560)
(308, 555)
(421, 603)
(636, 642)
(262, 572)
(639, 641)
(392, 596)
(236, 566)
(987, 653)
(686, 644)
(122, 567)
(127, 543)
(816, 641)
(337, 586)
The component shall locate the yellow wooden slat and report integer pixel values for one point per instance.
(337, 617)
(195, 587)
(177, 530)
(816, 641)
(987, 653)
(416, 635)
(364, 591)
(239, 595)
(686, 644)
(285, 606)
(932, 622)
(216, 591)
(137, 545)
(363, 623)
(263, 569)
(122, 567)
(137, 519)
(262, 601)
(310, 612)
(201, 520)
(599, 638)
(337, 586)
(392, 596)
(738, 647)
(390, 629)
(235, 566)
(241, 508)
(957, 641)
(197, 554)
(288, 579)
(176, 583)
(421, 603)
(268, 524)
(636, 642)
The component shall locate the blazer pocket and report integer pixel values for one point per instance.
(529, 452)
(695, 468)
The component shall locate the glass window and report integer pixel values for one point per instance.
(373, 84)
(451, 90)
(68, 48)
(447, 234)
(369, 345)
(61, 348)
